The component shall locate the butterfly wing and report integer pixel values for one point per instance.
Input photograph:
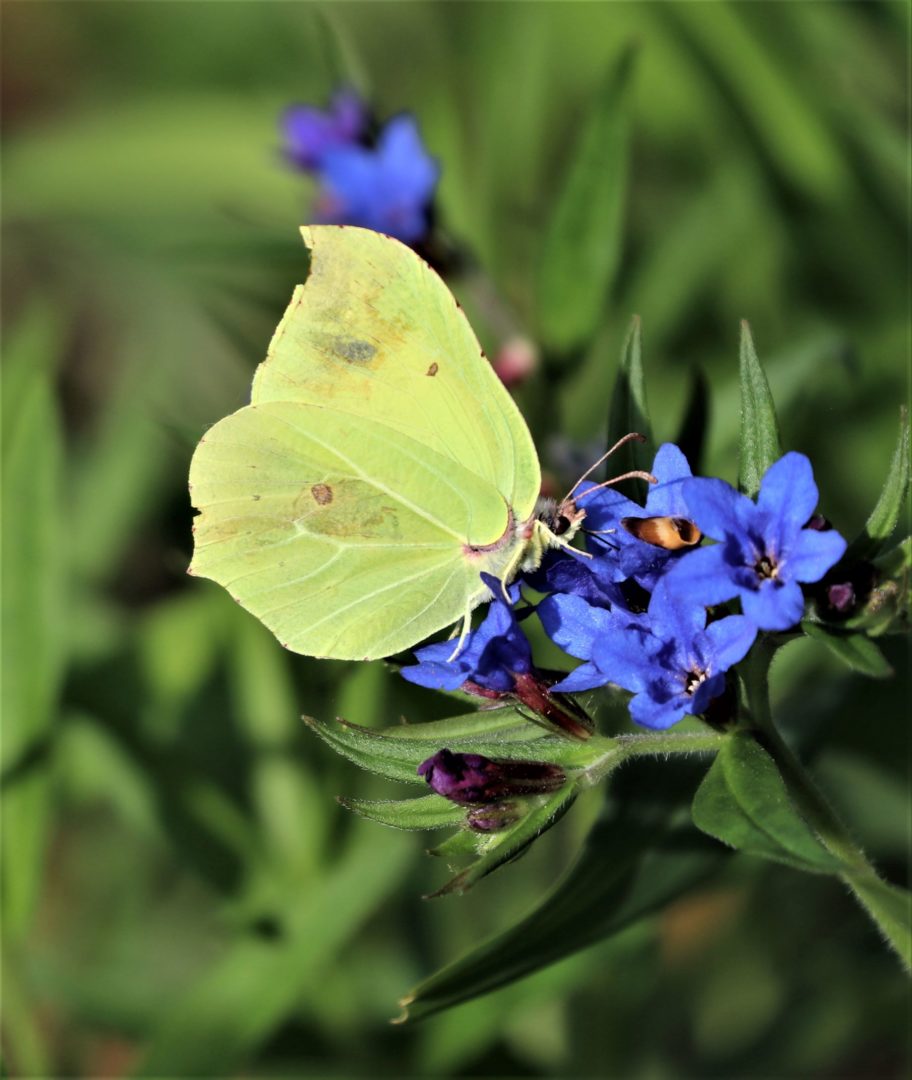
(344, 506)
(376, 333)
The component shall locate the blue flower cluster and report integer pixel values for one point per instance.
(385, 183)
(657, 619)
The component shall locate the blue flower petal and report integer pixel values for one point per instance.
(730, 640)
(606, 506)
(669, 464)
(435, 676)
(675, 616)
(648, 712)
(813, 553)
(715, 506)
(705, 692)
(703, 576)
(666, 498)
(788, 494)
(622, 656)
(403, 155)
(775, 605)
(573, 624)
(586, 677)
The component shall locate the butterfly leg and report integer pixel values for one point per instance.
(463, 634)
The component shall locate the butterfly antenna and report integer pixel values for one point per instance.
(634, 474)
(632, 436)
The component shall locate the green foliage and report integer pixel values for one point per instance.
(582, 244)
(182, 893)
(743, 802)
(885, 516)
(760, 442)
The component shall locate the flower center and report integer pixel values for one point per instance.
(692, 680)
(766, 568)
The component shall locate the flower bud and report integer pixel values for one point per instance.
(472, 779)
(515, 361)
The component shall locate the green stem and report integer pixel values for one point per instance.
(886, 905)
(622, 747)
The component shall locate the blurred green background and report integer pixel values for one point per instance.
(182, 896)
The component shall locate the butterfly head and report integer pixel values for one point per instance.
(561, 519)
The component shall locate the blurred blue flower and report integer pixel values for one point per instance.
(476, 779)
(491, 657)
(765, 548)
(310, 132)
(619, 554)
(387, 188)
(670, 659)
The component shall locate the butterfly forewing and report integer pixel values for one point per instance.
(374, 332)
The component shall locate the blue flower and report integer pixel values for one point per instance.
(388, 188)
(619, 554)
(491, 657)
(310, 133)
(592, 579)
(575, 623)
(765, 549)
(670, 659)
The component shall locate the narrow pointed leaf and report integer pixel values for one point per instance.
(760, 443)
(464, 842)
(509, 843)
(629, 411)
(583, 240)
(507, 724)
(744, 803)
(426, 812)
(856, 651)
(885, 515)
(33, 611)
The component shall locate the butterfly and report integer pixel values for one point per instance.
(379, 469)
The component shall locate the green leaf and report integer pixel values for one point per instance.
(398, 757)
(760, 444)
(507, 723)
(744, 803)
(691, 439)
(582, 244)
(884, 518)
(33, 606)
(464, 842)
(634, 861)
(506, 845)
(629, 411)
(890, 907)
(856, 651)
(428, 812)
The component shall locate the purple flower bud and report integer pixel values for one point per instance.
(472, 779)
(841, 597)
(818, 523)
